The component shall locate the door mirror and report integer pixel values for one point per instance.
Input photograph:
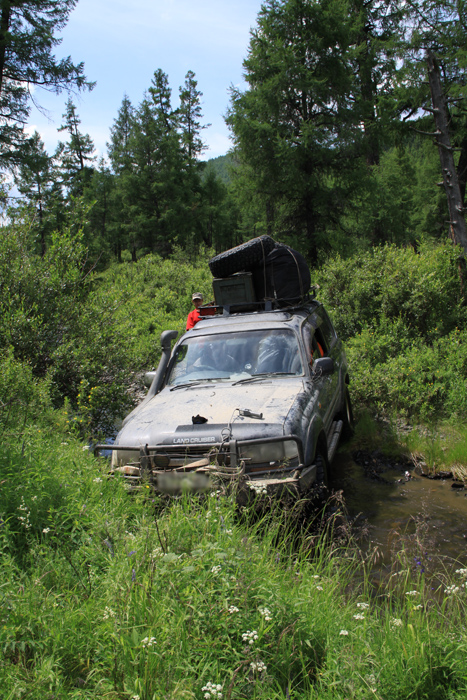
(322, 366)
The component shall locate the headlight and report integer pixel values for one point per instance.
(269, 452)
(120, 457)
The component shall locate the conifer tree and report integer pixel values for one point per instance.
(119, 146)
(189, 115)
(35, 179)
(122, 165)
(295, 126)
(76, 156)
(433, 80)
(27, 39)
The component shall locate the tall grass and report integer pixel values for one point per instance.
(107, 595)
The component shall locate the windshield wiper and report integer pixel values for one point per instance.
(196, 382)
(262, 375)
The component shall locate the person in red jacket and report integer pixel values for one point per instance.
(193, 316)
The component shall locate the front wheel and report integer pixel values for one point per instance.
(321, 469)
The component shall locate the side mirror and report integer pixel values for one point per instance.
(322, 366)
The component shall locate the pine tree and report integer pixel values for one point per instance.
(27, 41)
(76, 155)
(433, 81)
(35, 179)
(189, 116)
(119, 146)
(295, 126)
(122, 165)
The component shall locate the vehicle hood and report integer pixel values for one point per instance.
(167, 418)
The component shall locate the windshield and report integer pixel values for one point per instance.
(235, 356)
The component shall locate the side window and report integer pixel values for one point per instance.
(314, 343)
(307, 332)
(327, 330)
(320, 344)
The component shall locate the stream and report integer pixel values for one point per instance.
(387, 507)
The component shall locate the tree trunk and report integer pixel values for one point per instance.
(462, 168)
(458, 230)
(5, 18)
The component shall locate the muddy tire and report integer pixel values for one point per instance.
(243, 257)
(321, 470)
(347, 417)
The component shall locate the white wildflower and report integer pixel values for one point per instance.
(259, 489)
(233, 609)
(250, 637)
(363, 606)
(258, 667)
(216, 570)
(343, 633)
(461, 572)
(371, 680)
(212, 690)
(395, 622)
(266, 613)
(411, 593)
(97, 480)
(452, 590)
(319, 588)
(148, 642)
(108, 613)
(46, 530)
(418, 607)
(359, 616)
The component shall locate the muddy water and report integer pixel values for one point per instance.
(388, 507)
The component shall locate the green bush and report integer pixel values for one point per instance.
(423, 289)
(403, 317)
(149, 297)
(23, 397)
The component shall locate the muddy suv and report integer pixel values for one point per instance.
(255, 398)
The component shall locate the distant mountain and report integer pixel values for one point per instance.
(222, 166)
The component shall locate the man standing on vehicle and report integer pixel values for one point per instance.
(194, 316)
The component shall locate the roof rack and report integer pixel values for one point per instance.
(270, 305)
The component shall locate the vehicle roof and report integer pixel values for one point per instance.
(293, 318)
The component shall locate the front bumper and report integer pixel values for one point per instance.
(197, 468)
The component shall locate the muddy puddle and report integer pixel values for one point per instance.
(386, 508)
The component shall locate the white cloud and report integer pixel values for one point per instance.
(219, 144)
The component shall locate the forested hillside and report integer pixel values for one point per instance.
(349, 137)
(350, 134)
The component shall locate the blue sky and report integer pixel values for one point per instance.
(122, 43)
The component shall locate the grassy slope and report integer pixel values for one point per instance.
(110, 596)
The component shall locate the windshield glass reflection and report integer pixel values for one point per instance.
(236, 356)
